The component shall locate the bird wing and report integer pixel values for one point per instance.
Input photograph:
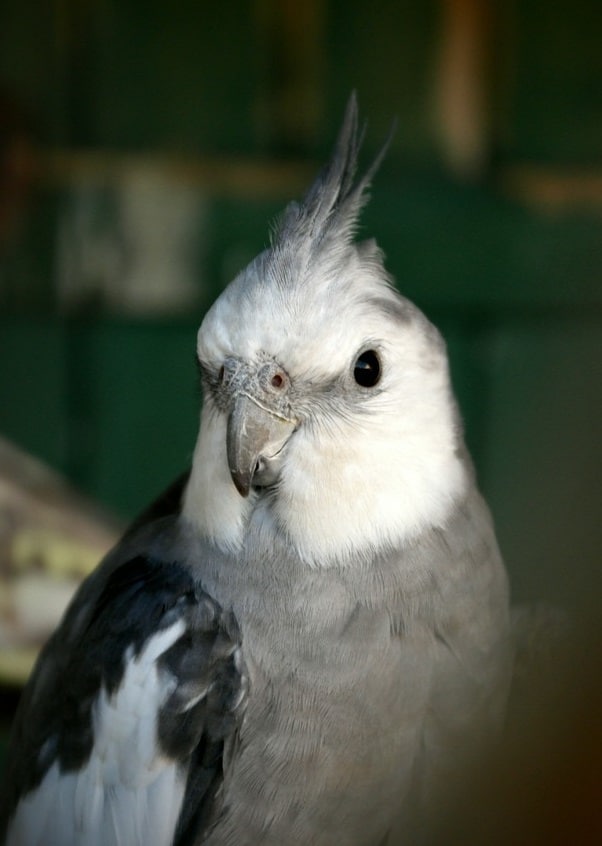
(135, 703)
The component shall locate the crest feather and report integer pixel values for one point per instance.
(331, 206)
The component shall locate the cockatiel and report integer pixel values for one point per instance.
(301, 642)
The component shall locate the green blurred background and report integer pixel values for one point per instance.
(145, 147)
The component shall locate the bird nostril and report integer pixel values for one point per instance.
(277, 380)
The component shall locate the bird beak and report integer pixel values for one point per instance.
(255, 438)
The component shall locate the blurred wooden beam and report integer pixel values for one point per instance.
(463, 85)
(233, 177)
(553, 189)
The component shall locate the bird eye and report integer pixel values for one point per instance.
(366, 371)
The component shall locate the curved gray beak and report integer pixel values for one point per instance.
(255, 438)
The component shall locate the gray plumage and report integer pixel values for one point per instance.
(319, 625)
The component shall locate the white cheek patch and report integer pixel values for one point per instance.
(211, 502)
(128, 793)
(371, 485)
(354, 489)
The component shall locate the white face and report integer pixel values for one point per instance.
(374, 457)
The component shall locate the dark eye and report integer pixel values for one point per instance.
(366, 371)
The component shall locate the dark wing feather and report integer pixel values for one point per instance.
(111, 621)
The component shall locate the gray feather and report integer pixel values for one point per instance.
(330, 209)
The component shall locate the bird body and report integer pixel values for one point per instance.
(364, 684)
(307, 644)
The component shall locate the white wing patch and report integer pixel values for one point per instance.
(128, 793)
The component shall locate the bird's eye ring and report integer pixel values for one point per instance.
(367, 369)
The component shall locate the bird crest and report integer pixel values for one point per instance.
(329, 212)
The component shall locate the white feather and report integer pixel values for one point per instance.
(380, 479)
(211, 500)
(128, 793)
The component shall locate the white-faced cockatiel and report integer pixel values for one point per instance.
(304, 638)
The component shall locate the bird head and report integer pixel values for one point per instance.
(327, 401)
